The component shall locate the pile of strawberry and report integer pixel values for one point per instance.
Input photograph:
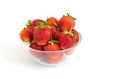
(50, 35)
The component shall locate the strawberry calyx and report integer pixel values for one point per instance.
(70, 16)
(42, 25)
(69, 32)
(28, 23)
(52, 41)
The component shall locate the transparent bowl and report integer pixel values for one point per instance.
(52, 58)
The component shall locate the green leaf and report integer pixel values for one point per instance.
(71, 16)
(28, 23)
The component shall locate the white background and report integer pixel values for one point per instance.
(97, 56)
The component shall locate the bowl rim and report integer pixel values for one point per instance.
(60, 50)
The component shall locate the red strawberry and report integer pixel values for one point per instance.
(32, 24)
(54, 29)
(76, 35)
(56, 35)
(35, 46)
(35, 53)
(31, 27)
(52, 47)
(26, 35)
(66, 41)
(66, 23)
(54, 57)
(37, 21)
(51, 21)
(42, 35)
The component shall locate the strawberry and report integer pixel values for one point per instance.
(76, 35)
(42, 34)
(26, 35)
(31, 27)
(66, 41)
(35, 46)
(53, 28)
(35, 53)
(51, 21)
(31, 24)
(56, 35)
(52, 46)
(54, 57)
(37, 21)
(66, 22)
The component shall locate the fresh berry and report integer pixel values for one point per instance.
(42, 35)
(31, 27)
(56, 35)
(76, 35)
(37, 21)
(53, 28)
(32, 24)
(35, 46)
(52, 46)
(66, 41)
(35, 53)
(66, 23)
(54, 57)
(51, 21)
(26, 35)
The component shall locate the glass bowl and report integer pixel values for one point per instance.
(52, 58)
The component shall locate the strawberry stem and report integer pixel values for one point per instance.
(69, 33)
(40, 25)
(66, 32)
(52, 41)
(56, 25)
